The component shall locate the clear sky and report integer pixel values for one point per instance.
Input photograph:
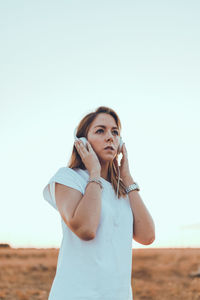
(63, 59)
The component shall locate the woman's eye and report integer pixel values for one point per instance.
(116, 132)
(99, 130)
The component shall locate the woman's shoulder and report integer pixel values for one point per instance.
(80, 173)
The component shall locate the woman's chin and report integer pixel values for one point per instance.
(107, 158)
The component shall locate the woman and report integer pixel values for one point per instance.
(95, 257)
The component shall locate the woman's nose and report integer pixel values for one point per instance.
(109, 136)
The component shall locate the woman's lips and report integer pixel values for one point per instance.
(109, 149)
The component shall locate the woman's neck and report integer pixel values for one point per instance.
(104, 172)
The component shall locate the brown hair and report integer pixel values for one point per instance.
(82, 131)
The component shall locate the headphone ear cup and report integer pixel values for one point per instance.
(84, 140)
(75, 137)
(120, 145)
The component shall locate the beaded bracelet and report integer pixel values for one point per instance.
(97, 180)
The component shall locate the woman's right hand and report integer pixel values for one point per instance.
(89, 157)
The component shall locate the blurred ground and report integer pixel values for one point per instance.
(157, 274)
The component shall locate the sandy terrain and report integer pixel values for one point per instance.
(157, 274)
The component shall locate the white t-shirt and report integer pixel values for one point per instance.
(98, 269)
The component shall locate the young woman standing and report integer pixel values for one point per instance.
(101, 212)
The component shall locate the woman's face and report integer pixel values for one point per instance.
(100, 137)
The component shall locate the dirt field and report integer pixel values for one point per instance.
(157, 274)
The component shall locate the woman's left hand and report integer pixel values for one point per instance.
(124, 165)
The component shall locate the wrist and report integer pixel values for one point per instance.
(128, 181)
(96, 180)
(94, 174)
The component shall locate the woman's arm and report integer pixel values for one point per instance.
(81, 213)
(143, 226)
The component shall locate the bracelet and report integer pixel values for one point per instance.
(97, 180)
(132, 187)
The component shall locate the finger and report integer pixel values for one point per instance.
(77, 143)
(88, 144)
(115, 162)
(124, 149)
(82, 148)
(90, 147)
(78, 146)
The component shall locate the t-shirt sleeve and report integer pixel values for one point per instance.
(65, 176)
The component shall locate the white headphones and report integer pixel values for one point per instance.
(84, 140)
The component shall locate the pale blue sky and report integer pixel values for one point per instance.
(61, 60)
